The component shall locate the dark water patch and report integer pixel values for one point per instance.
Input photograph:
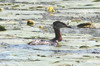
(19, 60)
(21, 46)
(97, 45)
(29, 47)
(41, 55)
(90, 51)
(1, 19)
(4, 45)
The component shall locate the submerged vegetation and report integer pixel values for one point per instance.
(2, 28)
(96, 0)
(84, 46)
(16, 6)
(89, 5)
(30, 22)
(86, 25)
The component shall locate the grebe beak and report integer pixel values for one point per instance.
(68, 26)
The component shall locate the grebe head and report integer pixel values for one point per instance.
(58, 25)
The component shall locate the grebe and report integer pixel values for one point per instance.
(56, 26)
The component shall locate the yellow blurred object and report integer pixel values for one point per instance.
(51, 9)
(30, 22)
(76, 20)
(1, 9)
(41, 27)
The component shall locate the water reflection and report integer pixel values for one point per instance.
(52, 49)
(94, 32)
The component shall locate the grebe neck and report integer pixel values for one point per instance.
(57, 35)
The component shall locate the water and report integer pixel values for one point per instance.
(93, 32)
(80, 46)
